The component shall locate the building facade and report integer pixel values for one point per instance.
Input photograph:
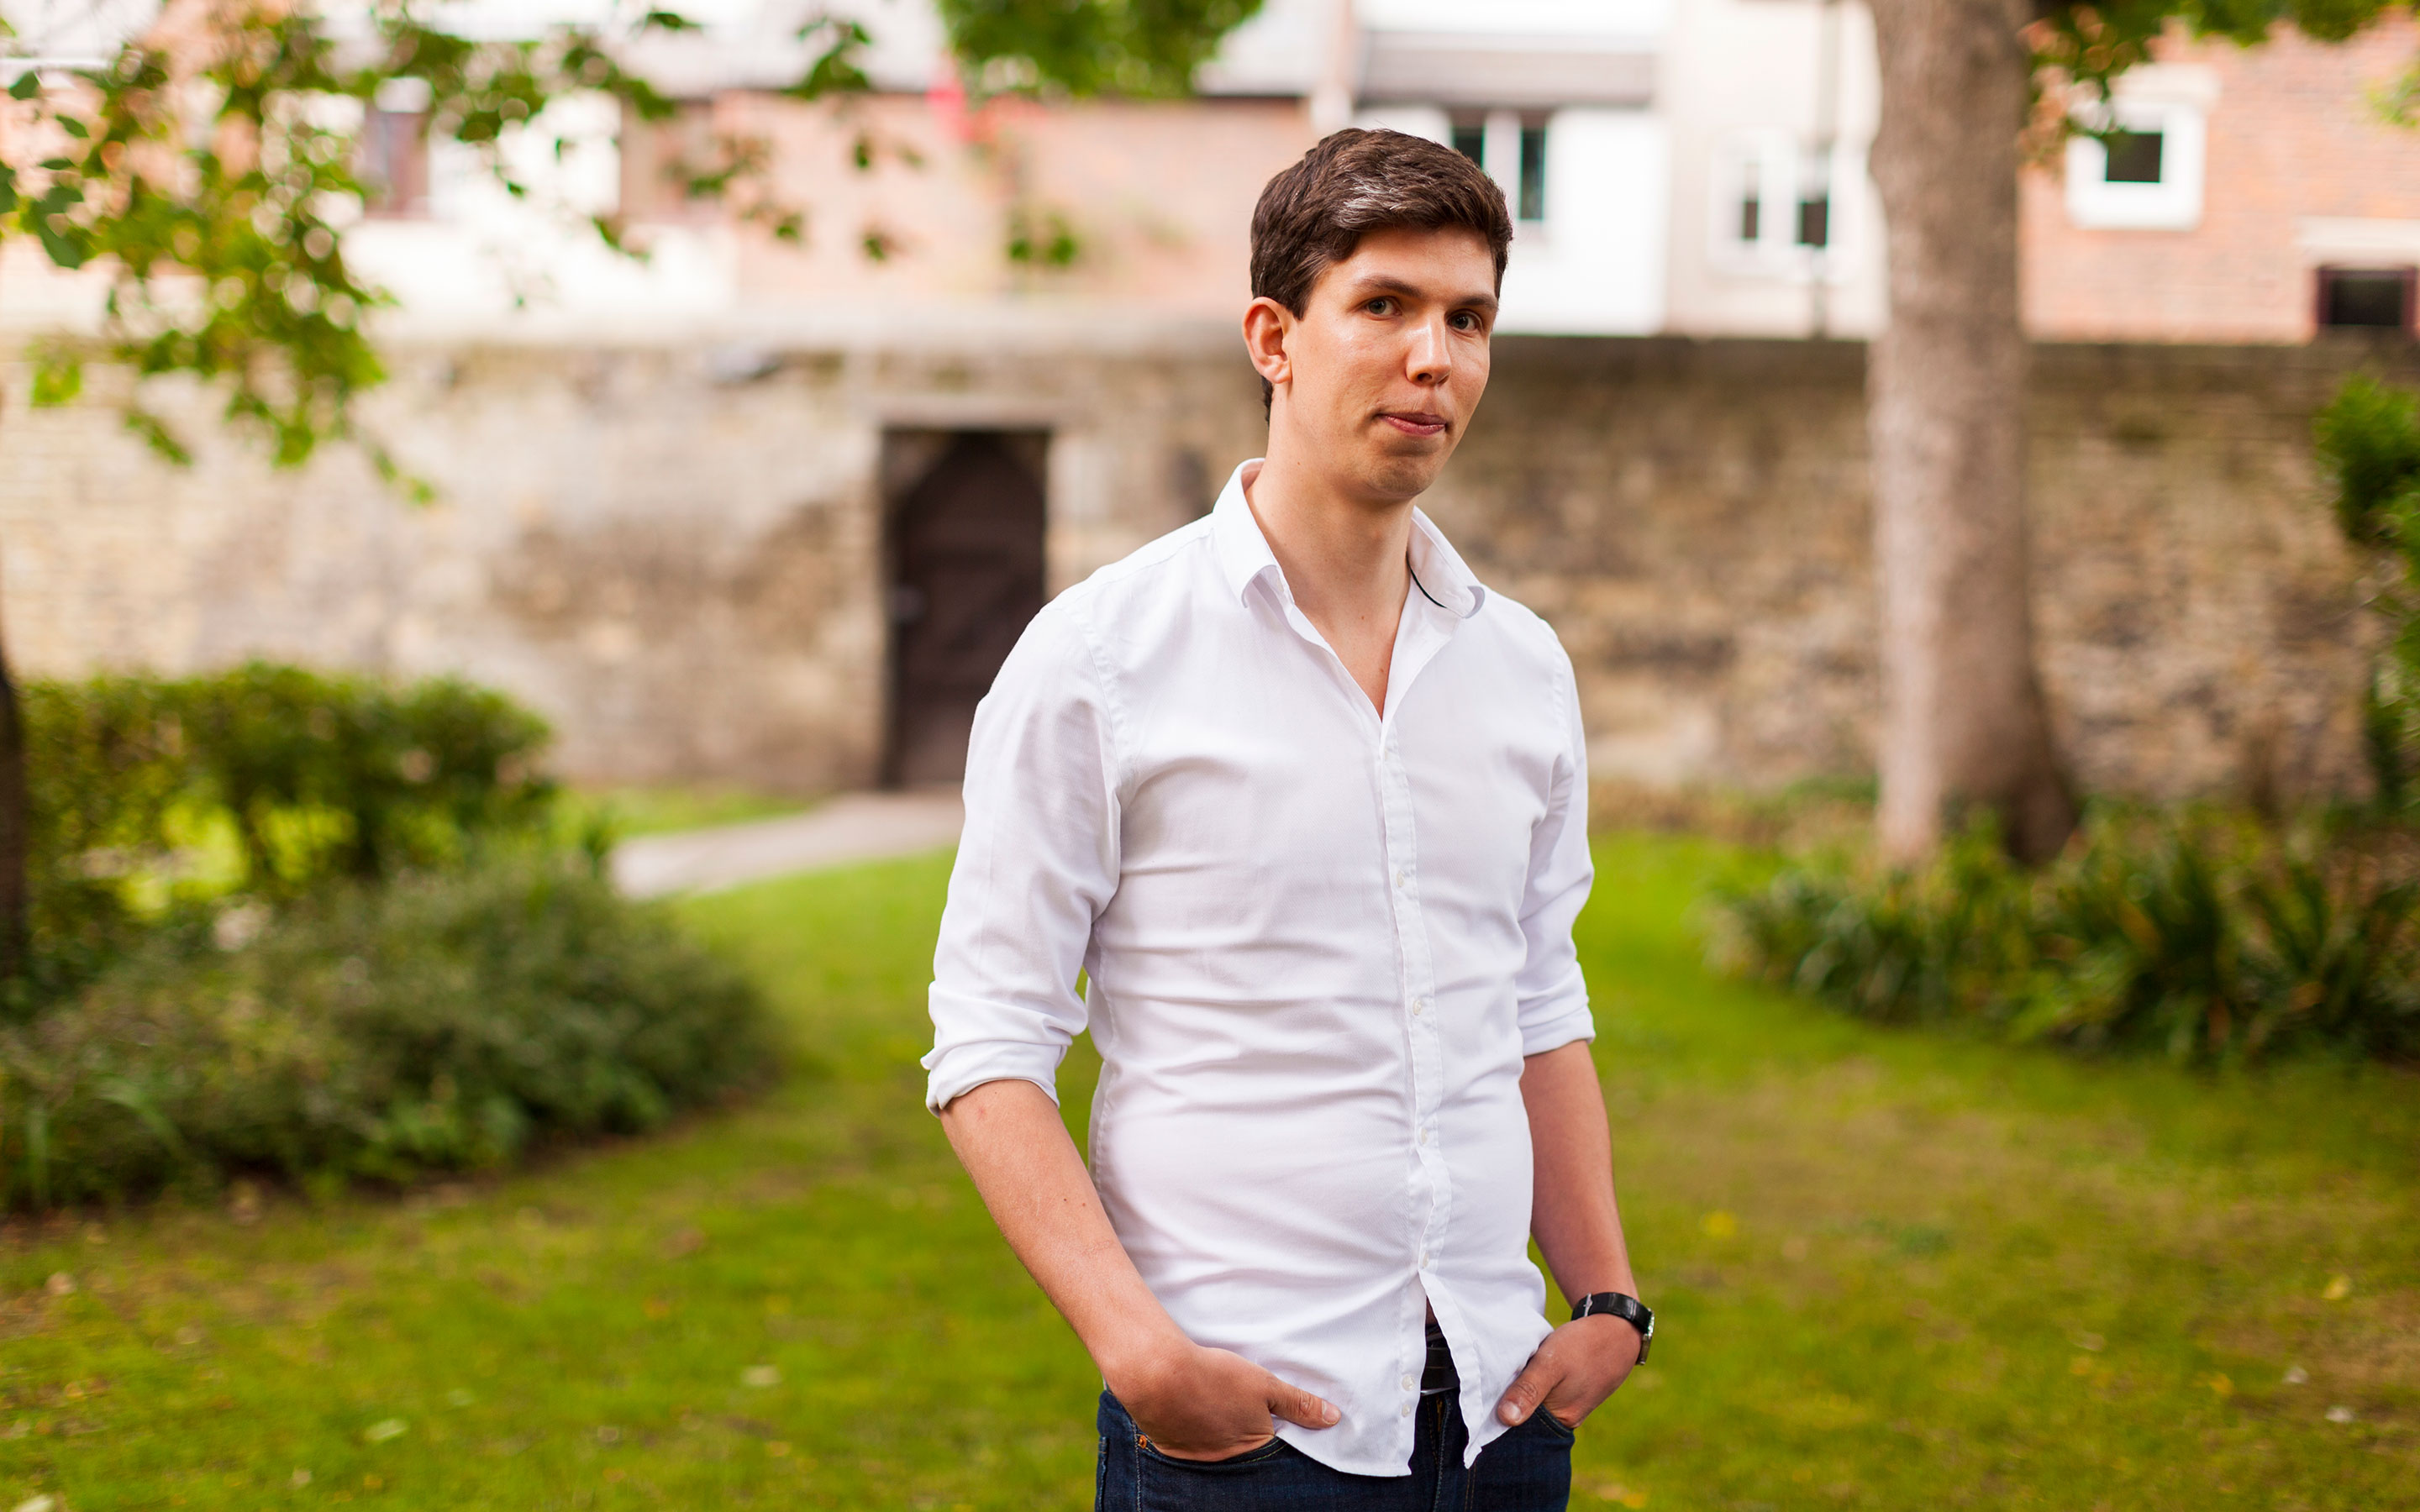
(771, 512)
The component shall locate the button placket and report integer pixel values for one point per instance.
(1427, 1055)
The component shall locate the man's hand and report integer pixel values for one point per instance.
(1579, 1365)
(1211, 1404)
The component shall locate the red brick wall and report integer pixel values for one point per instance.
(2294, 133)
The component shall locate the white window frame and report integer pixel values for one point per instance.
(2174, 100)
(1778, 157)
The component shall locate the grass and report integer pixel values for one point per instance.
(1890, 1271)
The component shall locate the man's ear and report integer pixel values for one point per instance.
(1267, 327)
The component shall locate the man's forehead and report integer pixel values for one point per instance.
(1449, 262)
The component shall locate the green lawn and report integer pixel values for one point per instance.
(1891, 1272)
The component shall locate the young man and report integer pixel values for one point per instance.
(1308, 806)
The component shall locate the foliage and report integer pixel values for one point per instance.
(2367, 444)
(2206, 938)
(443, 1021)
(1091, 47)
(310, 776)
(2090, 44)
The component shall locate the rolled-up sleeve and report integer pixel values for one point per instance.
(1553, 996)
(1036, 864)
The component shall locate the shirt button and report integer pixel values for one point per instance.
(1419, 1006)
(1411, 1381)
(1406, 1412)
(1424, 1260)
(1403, 879)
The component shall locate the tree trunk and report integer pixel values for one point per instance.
(1965, 726)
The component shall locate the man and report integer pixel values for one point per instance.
(1308, 806)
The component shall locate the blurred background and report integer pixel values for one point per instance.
(507, 510)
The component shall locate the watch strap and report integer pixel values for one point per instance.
(1619, 1304)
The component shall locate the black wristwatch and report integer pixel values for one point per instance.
(1629, 1309)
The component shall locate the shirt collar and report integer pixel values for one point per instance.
(1244, 554)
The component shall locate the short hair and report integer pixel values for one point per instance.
(1353, 182)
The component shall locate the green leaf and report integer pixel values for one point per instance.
(58, 377)
(7, 188)
(28, 83)
(73, 127)
(157, 436)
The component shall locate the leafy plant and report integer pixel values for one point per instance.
(2196, 936)
(305, 776)
(445, 1021)
(2366, 442)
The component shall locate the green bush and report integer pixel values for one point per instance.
(2368, 443)
(439, 1022)
(2204, 938)
(299, 778)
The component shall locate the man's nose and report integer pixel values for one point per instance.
(1430, 361)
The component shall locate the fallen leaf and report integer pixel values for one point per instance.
(760, 1375)
(60, 1284)
(385, 1428)
(2339, 1288)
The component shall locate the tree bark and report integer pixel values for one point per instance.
(1964, 725)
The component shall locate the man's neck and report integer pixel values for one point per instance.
(1344, 557)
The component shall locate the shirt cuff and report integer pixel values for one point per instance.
(962, 1067)
(1553, 1026)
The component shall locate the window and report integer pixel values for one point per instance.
(2132, 157)
(1780, 206)
(2377, 299)
(1532, 197)
(2145, 175)
(1815, 202)
(1512, 149)
(393, 165)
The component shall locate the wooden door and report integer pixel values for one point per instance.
(965, 553)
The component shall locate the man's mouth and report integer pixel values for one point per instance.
(1413, 422)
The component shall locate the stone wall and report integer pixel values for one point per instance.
(675, 552)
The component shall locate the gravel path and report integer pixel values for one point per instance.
(859, 827)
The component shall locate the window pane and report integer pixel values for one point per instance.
(1533, 173)
(1751, 205)
(2135, 157)
(2365, 297)
(1471, 140)
(1815, 222)
(393, 163)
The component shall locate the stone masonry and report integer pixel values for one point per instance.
(675, 551)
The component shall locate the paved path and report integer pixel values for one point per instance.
(859, 827)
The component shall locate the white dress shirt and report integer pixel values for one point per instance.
(1318, 942)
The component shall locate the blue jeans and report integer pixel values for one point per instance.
(1527, 1469)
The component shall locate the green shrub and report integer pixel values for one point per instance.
(301, 777)
(442, 1021)
(2366, 442)
(2200, 936)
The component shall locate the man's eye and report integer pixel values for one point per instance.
(1465, 321)
(1381, 305)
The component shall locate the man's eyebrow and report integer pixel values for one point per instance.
(1369, 284)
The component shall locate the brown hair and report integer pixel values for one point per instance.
(1314, 213)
